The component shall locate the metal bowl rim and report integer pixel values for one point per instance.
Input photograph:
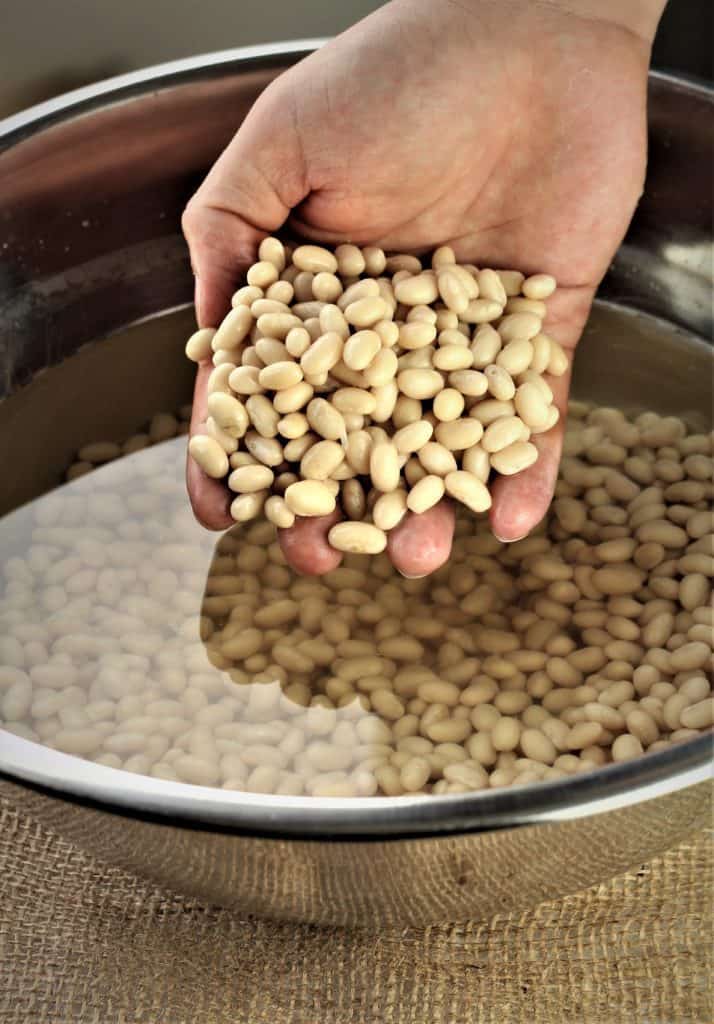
(36, 118)
(605, 789)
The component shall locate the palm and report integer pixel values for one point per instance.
(513, 167)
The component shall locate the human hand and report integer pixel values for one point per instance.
(515, 132)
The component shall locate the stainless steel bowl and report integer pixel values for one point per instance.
(92, 188)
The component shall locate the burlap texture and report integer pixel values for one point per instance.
(81, 943)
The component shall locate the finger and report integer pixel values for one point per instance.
(422, 543)
(210, 499)
(222, 249)
(248, 193)
(306, 547)
(519, 502)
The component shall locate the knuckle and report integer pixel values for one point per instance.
(191, 219)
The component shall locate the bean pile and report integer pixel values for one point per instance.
(126, 637)
(366, 378)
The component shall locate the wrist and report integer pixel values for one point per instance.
(641, 17)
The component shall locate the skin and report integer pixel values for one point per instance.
(514, 132)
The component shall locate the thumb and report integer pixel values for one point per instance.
(248, 193)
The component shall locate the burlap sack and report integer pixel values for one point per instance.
(81, 943)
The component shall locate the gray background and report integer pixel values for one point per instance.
(48, 46)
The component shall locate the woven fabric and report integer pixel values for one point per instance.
(81, 943)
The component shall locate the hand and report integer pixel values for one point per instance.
(515, 132)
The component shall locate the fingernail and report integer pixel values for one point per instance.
(408, 576)
(510, 540)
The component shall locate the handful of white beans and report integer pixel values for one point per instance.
(130, 636)
(367, 379)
